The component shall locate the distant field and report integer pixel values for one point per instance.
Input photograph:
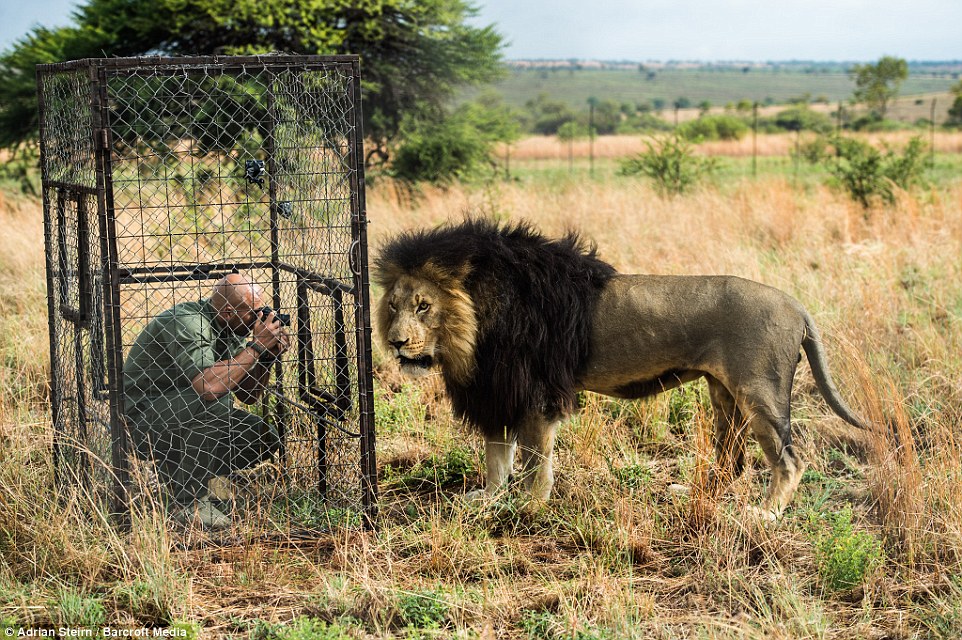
(719, 86)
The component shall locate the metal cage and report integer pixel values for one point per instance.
(160, 177)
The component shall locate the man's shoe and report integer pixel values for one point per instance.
(201, 513)
(211, 518)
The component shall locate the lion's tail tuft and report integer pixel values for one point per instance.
(812, 343)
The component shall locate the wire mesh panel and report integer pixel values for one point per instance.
(207, 272)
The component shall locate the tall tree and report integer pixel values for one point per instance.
(878, 84)
(955, 111)
(414, 53)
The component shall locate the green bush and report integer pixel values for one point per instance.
(803, 119)
(74, 609)
(633, 476)
(450, 468)
(720, 127)
(671, 163)
(643, 122)
(440, 153)
(458, 146)
(544, 625)
(302, 628)
(868, 174)
(845, 557)
(423, 609)
(21, 172)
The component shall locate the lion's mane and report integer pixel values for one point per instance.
(532, 300)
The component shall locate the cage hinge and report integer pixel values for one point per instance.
(102, 138)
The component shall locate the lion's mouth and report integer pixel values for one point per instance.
(422, 362)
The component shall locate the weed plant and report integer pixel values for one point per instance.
(672, 164)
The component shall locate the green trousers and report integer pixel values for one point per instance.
(191, 440)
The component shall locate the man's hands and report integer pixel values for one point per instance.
(270, 334)
(246, 374)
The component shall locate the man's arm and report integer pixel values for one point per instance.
(244, 373)
(225, 376)
(252, 387)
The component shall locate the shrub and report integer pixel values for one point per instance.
(671, 163)
(20, 171)
(720, 127)
(423, 609)
(456, 147)
(815, 151)
(845, 557)
(74, 609)
(302, 628)
(440, 152)
(803, 119)
(544, 625)
(450, 468)
(633, 476)
(643, 122)
(868, 174)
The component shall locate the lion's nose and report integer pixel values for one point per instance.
(397, 344)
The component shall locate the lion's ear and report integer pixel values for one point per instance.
(448, 277)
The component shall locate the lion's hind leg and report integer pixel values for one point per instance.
(730, 430)
(772, 430)
(536, 438)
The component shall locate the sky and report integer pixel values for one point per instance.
(640, 30)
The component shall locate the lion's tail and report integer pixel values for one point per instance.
(817, 360)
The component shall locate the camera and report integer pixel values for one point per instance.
(263, 312)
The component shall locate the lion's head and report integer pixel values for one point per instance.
(426, 319)
(503, 311)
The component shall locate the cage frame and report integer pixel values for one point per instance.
(98, 70)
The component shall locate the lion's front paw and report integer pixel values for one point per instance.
(763, 515)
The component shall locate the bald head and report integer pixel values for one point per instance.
(234, 300)
(236, 291)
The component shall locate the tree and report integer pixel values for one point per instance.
(458, 146)
(955, 111)
(548, 115)
(569, 132)
(414, 53)
(878, 84)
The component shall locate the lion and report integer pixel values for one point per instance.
(518, 324)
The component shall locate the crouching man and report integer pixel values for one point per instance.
(180, 379)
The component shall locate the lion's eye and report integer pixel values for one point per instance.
(424, 306)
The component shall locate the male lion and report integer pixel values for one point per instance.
(518, 323)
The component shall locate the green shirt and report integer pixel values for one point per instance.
(174, 347)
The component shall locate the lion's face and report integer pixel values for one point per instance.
(425, 326)
(414, 316)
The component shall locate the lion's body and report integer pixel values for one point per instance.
(518, 324)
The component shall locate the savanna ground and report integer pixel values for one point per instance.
(870, 548)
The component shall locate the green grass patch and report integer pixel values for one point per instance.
(845, 557)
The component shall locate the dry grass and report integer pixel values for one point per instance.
(621, 146)
(616, 553)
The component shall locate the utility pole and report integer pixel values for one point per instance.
(591, 136)
(755, 139)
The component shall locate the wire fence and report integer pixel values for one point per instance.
(180, 197)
